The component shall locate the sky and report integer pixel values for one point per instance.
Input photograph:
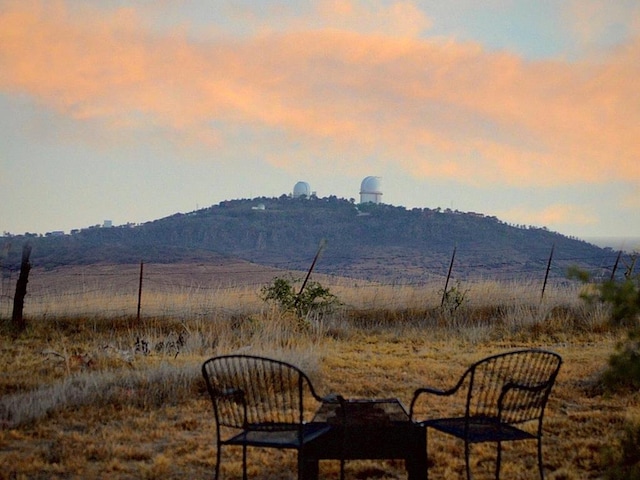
(131, 111)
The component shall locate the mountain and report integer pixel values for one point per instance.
(366, 241)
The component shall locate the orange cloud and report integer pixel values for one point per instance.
(398, 19)
(433, 108)
(631, 201)
(552, 215)
(590, 19)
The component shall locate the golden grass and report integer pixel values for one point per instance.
(79, 401)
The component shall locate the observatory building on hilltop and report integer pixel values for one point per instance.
(371, 190)
(301, 189)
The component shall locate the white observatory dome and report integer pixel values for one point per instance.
(371, 190)
(300, 189)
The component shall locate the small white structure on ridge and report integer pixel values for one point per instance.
(371, 190)
(301, 189)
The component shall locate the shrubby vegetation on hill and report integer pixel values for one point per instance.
(362, 240)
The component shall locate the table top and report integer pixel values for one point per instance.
(378, 428)
(362, 411)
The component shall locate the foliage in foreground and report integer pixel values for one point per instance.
(146, 388)
(623, 372)
(312, 298)
(129, 426)
(623, 298)
(624, 365)
(138, 412)
(624, 462)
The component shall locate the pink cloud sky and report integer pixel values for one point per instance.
(434, 107)
(552, 215)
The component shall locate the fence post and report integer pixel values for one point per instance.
(629, 273)
(313, 264)
(140, 291)
(21, 290)
(446, 284)
(615, 266)
(546, 275)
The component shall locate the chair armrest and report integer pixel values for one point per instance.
(230, 392)
(430, 390)
(529, 388)
(332, 398)
(434, 391)
(517, 386)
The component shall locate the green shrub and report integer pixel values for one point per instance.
(623, 297)
(623, 460)
(453, 298)
(313, 298)
(623, 371)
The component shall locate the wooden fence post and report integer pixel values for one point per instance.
(17, 318)
(546, 275)
(140, 292)
(446, 284)
(306, 279)
(615, 266)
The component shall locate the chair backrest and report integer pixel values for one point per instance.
(513, 387)
(250, 392)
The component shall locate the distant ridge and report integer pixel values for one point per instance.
(362, 241)
(628, 244)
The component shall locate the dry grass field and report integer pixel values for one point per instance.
(89, 394)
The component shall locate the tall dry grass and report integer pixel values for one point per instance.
(112, 291)
(88, 356)
(87, 369)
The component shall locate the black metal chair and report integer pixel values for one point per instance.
(504, 392)
(262, 403)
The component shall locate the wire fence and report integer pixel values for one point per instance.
(374, 281)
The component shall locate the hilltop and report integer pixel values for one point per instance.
(362, 241)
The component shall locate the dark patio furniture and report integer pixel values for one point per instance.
(504, 393)
(368, 429)
(263, 403)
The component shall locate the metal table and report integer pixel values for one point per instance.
(368, 429)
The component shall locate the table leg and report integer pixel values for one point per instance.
(417, 468)
(416, 461)
(310, 469)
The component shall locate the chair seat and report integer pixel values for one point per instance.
(279, 438)
(481, 429)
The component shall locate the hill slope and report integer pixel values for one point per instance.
(364, 241)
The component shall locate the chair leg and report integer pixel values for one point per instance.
(218, 458)
(498, 460)
(244, 462)
(426, 448)
(466, 458)
(344, 439)
(540, 466)
(307, 469)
